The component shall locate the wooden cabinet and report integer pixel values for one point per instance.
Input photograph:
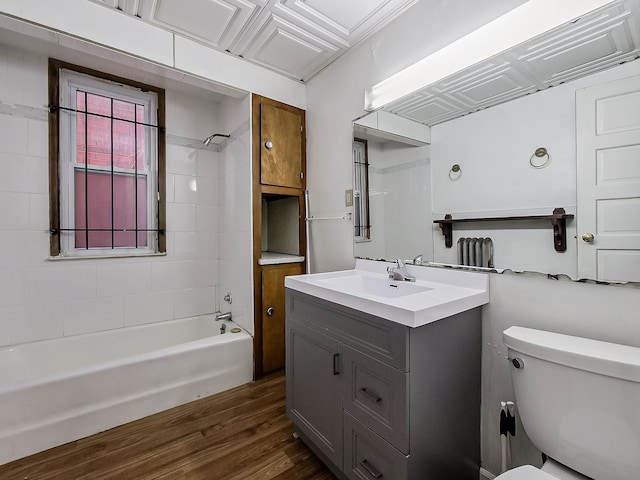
(281, 144)
(273, 313)
(376, 399)
(278, 151)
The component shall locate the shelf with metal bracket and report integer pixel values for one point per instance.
(558, 221)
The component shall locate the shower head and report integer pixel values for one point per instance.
(207, 140)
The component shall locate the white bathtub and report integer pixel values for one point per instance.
(56, 391)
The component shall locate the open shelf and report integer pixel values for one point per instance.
(558, 221)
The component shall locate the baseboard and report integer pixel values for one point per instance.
(486, 475)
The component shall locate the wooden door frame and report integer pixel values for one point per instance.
(257, 192)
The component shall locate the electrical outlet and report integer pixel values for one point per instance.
(348, 198)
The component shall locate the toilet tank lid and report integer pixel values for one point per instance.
(611, 359)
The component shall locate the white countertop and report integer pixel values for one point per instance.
(273, 258)
(437, 293)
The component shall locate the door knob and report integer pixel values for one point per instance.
(270, 311)
(268, 145)
(587, 237)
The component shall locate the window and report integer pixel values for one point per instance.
(107, 164)
(362, 228)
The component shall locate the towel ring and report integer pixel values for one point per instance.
(540, 153)
(456, 171)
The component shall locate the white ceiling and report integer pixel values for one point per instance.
(297, 38)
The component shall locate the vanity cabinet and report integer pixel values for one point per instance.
(375, 399)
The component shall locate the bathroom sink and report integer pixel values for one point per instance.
(437, 292)
(370, 285)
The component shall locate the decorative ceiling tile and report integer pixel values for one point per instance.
(351, 21)
(297, 38)
(288, 49)
(213, 22)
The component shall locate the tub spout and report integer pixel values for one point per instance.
(223, 316)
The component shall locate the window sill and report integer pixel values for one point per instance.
(61, 258)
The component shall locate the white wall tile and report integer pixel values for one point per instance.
(238, 279)
(207, 193)
(39, 211)
(173, 275)
(170, 181)
(15, 248)
(206, 218)
(235, 247)
(13, 134)
(148, 308)
(185, 189)
(196, 301)
(123, 279)
(64, 282)
(38, 138)
(21, 173)
(14, 287)
(181, 217)
(181, 160)
(94, 315)
(30, 323)
(207, 245)
(14, 214)
(208, 273)
(208, 163)
(186, 246)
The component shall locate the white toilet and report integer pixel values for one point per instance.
(579, 402)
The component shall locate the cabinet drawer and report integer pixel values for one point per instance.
(377, 337)
(377, 395)
(369, 457)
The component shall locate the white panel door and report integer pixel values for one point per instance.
(608, 155)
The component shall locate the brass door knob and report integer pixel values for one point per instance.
(588, 237)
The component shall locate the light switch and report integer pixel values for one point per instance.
(348, 198)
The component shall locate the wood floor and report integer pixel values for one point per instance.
(240, 434)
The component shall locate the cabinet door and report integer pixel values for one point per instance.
(281, 135)
(273, 313)
(314, 387)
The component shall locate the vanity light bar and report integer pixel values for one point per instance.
(521, 24)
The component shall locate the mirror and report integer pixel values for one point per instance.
(489, 124)
(392, 188)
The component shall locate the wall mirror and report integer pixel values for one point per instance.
(494, 146)
(391, 188)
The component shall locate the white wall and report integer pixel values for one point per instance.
(42, 298)
(335, 97)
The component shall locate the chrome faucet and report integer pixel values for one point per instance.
(399, 272)
(223, 316)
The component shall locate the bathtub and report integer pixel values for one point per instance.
(56, 391)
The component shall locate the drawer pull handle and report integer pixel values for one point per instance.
(336, 364)
(373, 396)
(371, 470)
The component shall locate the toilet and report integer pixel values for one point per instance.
(579, 402)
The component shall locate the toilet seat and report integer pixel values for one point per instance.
(527, 472)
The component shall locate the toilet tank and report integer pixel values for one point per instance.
(579, 400)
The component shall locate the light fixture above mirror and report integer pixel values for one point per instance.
(537, 45)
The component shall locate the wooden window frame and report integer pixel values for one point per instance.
(54, 71)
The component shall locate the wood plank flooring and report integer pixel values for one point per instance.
(239, 434)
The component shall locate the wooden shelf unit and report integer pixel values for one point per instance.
(558, 221)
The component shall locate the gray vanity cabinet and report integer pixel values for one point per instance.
(378, 400)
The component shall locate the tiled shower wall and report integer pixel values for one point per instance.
(42, 298)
